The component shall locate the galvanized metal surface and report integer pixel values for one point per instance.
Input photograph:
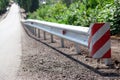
(76, 34)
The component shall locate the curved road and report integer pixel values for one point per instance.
(10, 44)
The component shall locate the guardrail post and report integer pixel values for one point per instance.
(99, 43)
(108, 61)
(38, 33)
(35, 31)
(62, 43)
(51, 38)
(28, 28)
(32, 29)
(44, 35)
(77, 46)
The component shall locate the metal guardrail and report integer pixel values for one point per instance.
(77, 34)
(73, 33)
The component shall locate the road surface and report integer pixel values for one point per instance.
(10, 44)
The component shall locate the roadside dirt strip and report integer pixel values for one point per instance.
(43, 60)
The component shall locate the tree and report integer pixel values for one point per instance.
(3, 5)
(29, 5)
(34, 5)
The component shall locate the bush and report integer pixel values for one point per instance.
(81, 13)
(116, 18)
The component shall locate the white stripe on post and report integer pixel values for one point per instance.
(102, 50)
(99, 34)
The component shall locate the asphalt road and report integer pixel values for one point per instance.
(10, 44)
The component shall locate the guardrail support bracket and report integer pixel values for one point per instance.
(44, 35)
(62, 43)
(52, 41)
(38, 33)
(77, 46)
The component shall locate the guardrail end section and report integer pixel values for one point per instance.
(99, 43)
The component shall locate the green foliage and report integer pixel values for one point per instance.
(116, 21)
(54, 13)
(82, 12)
(3, 5)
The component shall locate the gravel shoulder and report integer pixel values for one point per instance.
(43, 60)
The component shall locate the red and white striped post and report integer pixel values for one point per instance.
(99, 43)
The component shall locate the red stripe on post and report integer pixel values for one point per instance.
(107, 54)
(96, 27)
(100, 42)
